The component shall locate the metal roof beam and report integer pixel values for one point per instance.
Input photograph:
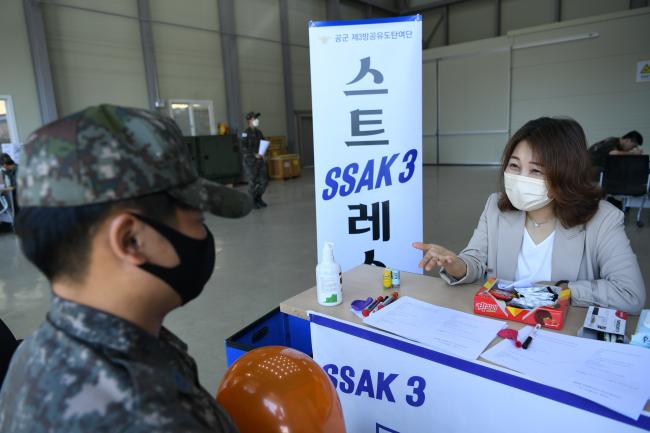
(377, 5)
(429, 6)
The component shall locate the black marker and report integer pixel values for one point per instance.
(529, 339)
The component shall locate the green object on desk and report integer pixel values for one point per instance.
(331, 299)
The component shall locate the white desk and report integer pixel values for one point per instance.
(460, 395)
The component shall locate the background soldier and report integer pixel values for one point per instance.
(254, 165)
(112, 215)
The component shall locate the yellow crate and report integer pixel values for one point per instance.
(296, 170)
(277, 140)
(284, 166)
(272, 152)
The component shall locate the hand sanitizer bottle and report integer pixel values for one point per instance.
(328, 278)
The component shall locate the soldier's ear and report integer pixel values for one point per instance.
(125, 238)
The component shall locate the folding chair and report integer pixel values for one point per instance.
(627, 176)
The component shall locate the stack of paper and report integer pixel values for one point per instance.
(445, 330)
(611, 374)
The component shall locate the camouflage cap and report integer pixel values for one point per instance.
(108, 153)
(252, 115)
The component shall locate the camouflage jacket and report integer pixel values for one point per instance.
(86, 370)
(250, 141)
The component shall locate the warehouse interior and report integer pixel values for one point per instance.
(488, 67)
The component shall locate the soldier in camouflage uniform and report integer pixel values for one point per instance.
(254, 165)
(112, 216)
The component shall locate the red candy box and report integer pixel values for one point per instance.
(492, 301)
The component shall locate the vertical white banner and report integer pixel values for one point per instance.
(366, 86)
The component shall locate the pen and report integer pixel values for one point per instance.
(372, 306)
(383, 301)
(387, 301)
(529, 339)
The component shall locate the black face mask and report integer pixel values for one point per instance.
(196, 261)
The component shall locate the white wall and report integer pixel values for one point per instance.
(484, 87)
(473, 20)
(98, 58)
(188, 60)
(95, 58)
(16, 76)
(260, 62)
(592, 80)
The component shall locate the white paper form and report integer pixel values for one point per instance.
(443, 329)
(264, 144)
(611, 374)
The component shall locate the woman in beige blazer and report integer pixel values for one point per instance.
(545, 189)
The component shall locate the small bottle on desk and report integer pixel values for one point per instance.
(396, 281)
(387, 280)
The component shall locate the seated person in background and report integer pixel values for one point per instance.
(548, 223)
(629, 144)
(112, 215)
(9, 169)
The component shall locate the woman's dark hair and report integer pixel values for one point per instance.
(6, 159)
(57, 240)
(560, 146)
(634, 136)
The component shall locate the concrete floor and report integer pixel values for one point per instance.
(270, 256)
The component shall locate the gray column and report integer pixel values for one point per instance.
(286, 75)
(40, 60)
(230, 59)
(445, 14)
(146, 40)
(558, 10)
(497, 17)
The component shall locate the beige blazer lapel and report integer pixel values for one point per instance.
(511, 235)
(568, 249)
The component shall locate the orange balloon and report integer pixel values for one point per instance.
(277, 389)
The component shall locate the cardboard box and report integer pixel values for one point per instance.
(551, 317)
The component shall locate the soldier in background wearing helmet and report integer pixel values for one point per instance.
(112, 215)
(254, 165)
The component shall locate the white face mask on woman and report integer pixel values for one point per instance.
(256, 122)
(526, 193)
